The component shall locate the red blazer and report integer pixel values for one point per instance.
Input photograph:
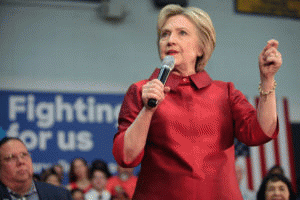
(189, 152)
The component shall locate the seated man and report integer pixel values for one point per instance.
(16, 175)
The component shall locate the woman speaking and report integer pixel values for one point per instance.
(185, 144)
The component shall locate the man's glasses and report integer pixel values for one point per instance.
(14, 157)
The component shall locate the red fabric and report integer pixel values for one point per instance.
(128, 186)
(75, 186)
(189, 152)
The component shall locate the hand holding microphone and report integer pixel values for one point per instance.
(166, 67)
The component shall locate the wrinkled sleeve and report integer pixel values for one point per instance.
(132, 104)
(247, 128)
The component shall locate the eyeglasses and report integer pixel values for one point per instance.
(14, 157)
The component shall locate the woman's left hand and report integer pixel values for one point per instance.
(269, 60)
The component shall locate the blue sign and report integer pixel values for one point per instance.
(58, 127)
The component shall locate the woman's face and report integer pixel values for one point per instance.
(80, 169)
(179, 38)
(277, 190)
(99, 180)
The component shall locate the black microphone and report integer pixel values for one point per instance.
(166, 68)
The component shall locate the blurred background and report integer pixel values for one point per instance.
(63, 60)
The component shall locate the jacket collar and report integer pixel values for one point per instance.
(199, 80)
(4, 194)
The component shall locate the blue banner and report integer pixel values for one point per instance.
(58, 127)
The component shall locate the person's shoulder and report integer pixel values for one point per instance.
(106, 193)
(222, 84)
(3, 190)
(46, 185)
(219, 82)
(136, 87)
(91, 194)
(49, 189)
(113, 179)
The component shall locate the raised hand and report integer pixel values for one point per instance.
(269, 60)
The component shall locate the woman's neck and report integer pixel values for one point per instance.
(83, 181)
(184, 70)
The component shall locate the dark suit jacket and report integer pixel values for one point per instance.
(45, 192)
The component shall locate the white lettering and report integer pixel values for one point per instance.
(85, 141)
(44, 137)
(60, 107)
(80, 108)
(104, 108)
(16, 105)
(38, 167)
(116, 114)
(91, 109)
(45, 114)
(30, 139)
(13, 130)
(30, 107)
(64, 145)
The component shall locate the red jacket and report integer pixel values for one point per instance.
(189, 152)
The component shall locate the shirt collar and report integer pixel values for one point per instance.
(30, 192)
(200, 79)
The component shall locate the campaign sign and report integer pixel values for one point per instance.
(58, 127)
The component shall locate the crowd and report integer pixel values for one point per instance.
(92, 182)
(95, 182)
(275, 185)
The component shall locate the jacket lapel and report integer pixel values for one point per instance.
(4, 195)
(40, 191)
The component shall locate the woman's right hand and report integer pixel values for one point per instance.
(154, 89)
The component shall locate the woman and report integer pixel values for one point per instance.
(186, 143)
(79, 175)
(276, 186)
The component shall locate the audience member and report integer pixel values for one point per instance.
(101, 164)
(16, 175)
(240, 172)
(78, 175)
(276, 186)
(77, 194)
(49, 176)
(122, 185)
(59, 170)
(98, 179)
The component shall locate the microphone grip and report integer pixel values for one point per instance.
(162, 76)
(152, 103)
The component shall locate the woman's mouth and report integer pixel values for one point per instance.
(172, 52)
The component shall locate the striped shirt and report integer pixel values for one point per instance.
(30, 195)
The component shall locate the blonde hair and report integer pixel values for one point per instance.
(207, 35)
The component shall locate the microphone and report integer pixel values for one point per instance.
(166, 67)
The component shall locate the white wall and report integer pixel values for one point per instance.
(69, 47)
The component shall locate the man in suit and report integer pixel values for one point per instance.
(16, 175)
